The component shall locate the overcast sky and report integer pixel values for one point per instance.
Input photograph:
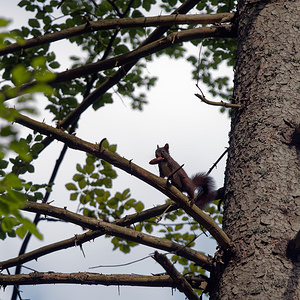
(197, 135)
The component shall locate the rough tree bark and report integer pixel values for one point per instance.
(262, 205)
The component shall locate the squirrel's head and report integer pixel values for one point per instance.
(161, 153)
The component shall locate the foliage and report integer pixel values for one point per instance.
(91, 187)
(39, 64)
(14, 190)
(92, 183)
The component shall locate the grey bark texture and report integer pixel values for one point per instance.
(262, 200)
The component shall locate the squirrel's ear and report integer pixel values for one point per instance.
(157, 146)
(167, 147)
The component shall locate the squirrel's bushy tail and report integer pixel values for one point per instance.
(205, 189)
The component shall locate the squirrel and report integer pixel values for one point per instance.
(200, 183)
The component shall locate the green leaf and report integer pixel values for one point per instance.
(90, 168)
(12, 180)
(20, 75)
(7, 223)
(34, 23)
(79, 168)
(78, 177)
(71, 187)
(44, 76)
(22, 148)
(54, 65)
(23, 3)
(82, 183)
(7, 131)
(178, 227)
(125, 248)
(4, 22)
(38, 62)
(28, 226)
(139, 206)
(40, 88)
(3, 164)
(148, 228)
(73, 196)
(105, 99)
(113, 203)
(36, 148)
(121, 49)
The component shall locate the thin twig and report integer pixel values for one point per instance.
(121, 265)
(175, 171)
(221, 103)
(215, 164)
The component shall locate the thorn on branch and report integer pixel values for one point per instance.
(130, 166)
(81, 249)
(101, 144)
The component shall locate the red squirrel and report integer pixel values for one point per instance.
(199, 183)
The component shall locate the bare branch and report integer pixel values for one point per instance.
(131, 168)
(218, 160)
(118, 23)
(79, 239)
(221, 103)
(95, 278)
(180, 281)
(116, 230)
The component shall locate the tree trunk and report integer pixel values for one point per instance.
(262, 205)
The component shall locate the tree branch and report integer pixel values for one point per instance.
(134, 55)
(95, 278)
(79, 239)
(143, 51)
(119, 231)
(180, 281)
(131, 168)
(222, 103)
(118, 23)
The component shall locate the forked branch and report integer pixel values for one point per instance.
(79, 239)
(131, 168)
(119, 231)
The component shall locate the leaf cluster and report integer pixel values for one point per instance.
(14, 190)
